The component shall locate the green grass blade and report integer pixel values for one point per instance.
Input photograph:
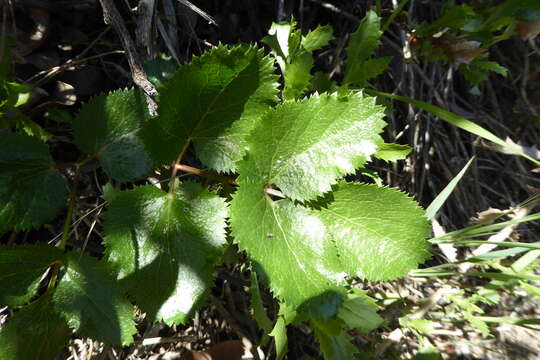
(439, 201)
(459, 122)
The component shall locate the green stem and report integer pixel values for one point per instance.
(71, 206)
(392, 16)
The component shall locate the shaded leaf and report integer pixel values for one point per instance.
(280, 235)
(362, 43)
(335, 343)
(213, 101)
(303, 147)
(37, 332)
(32, 192)
(380, 233)
(21, 268)
(363, 71)
(259, 313)
(166, 245)
(359, 312)
(92, 303)
(108, 127)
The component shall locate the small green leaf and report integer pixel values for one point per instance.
(214, 102)
(380, 233)
(303, 147)
(259, 313)
(321, 82)
(491, 66)
(423, 326)
(21, 268)
(108, 126)
(298, 76)
(36, 332)
(92, 303)
(279, 333)
(363, 71)
(280, 235)
(360, 312)
(363, 42)
(392, 152)
(166, 245)
(335, 343)
(14, 94)
(32, 192)
(316, 39)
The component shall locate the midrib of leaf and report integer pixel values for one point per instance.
(278, 222)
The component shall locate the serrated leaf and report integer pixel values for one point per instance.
(298, 76)
(360, 312)
(380, 233)
(280, 235)
(303, 147)
(335, 343)
(363, 71)
(363, 42)
(108, 127)
(21, 268)
(316, 39)
(32, 192)
(214, 102)
(92, 302)
(37, 332)
(392, 152)
(166, 245)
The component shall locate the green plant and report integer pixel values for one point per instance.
(304, 230)
(463, 34)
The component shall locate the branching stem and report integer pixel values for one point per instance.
(205, 174)
(174, 166)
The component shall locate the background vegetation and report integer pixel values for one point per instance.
(478, 60)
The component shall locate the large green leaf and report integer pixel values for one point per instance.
(380, 233)
(213, 101)
(92, 303)
(108, 127)
(166, 246)
(37, 332)
(21, 268)
(362, 43)
(289, 244)
(303, 147)
(32, 192)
